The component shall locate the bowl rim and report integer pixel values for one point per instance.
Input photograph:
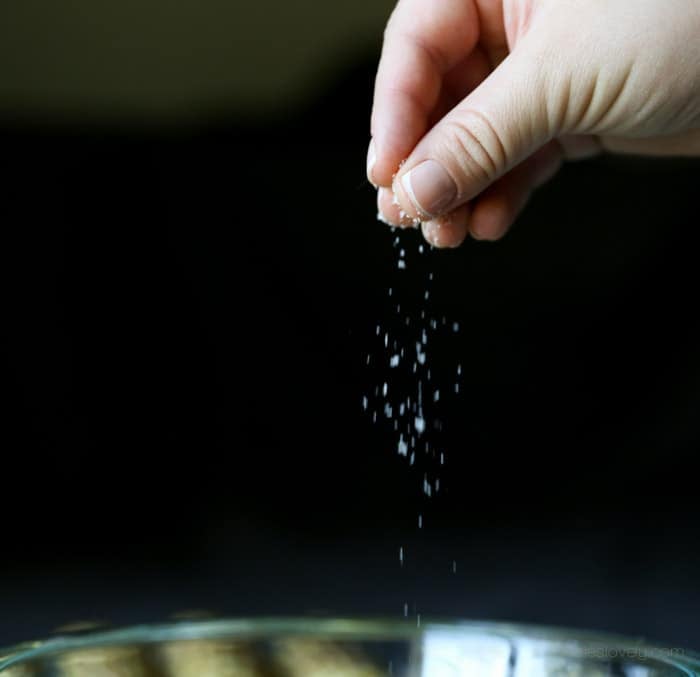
(359, 629)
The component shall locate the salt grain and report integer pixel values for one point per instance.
(403, 447)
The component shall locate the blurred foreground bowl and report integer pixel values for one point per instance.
(342, 648)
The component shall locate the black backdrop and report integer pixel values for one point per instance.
(185, 318)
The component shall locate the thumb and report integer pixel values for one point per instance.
(502, 122)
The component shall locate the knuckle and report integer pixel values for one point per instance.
(476, 147)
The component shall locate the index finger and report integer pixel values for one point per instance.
(423, 40)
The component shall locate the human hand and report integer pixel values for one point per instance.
(478, 102)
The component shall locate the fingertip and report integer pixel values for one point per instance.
(448, 231)
(492, 218)
(389, 210)
(371, 161)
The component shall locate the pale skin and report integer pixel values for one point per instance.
(497, 94)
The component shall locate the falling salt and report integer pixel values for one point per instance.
(405, 610)
(403, 447)
(418, 620)
(454, 566)
(406, 415)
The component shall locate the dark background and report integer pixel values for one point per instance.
(187, 304)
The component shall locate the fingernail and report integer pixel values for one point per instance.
(371, 161)
(430, 188)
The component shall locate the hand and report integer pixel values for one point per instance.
(484, 100)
